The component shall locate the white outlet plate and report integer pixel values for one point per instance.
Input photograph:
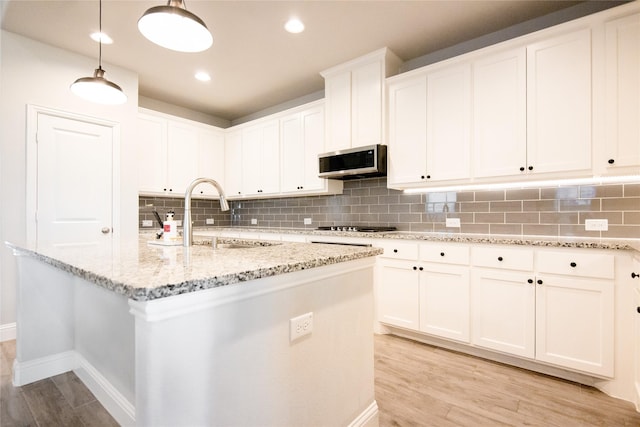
(300, 326)
(147, 223)
(596, 224)
(307, 221)
(209, 221)
(179, 223)
(254, 221)
(453, 222)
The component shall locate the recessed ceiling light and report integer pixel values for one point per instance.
(203, 76)
(101, 37)
(294, 26)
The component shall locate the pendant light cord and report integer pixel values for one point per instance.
(100, 38)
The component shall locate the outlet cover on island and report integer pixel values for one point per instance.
(147, 223)
(596, 224)
(254, 221)
(307, 221)
(453, 222)
(300, 326)
(209, 221)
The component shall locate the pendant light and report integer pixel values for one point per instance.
(97, 88)
(174, 27)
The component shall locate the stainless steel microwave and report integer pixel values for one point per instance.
(354, 163)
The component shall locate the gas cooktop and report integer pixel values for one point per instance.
(359, 228)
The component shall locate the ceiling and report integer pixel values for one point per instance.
(254, 63)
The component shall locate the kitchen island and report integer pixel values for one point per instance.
(166, 335)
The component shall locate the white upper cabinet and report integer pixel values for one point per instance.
(302, 139)
(430, 127)
(499, 114)
(173, 152)
(261, 158)
(621, 145)
(559, 104)
(233, 163)
(354, 96)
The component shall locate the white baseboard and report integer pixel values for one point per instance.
(44, 367)
(114, 402)
(368, 418)
(8, 332)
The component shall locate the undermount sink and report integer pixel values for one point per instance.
(233, 246)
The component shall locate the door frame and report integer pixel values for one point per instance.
(31, 190)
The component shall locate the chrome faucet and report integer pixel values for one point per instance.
(187, 229)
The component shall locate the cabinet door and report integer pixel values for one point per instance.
(397, 298)
(503, 311)
(500, 114)
(293, 153)
(313, 136)
(449, 123)
(622, 107)
(559, 104)
(366, 104)
(211, 160)
(251, 160)
(338, 100)
(182, 160)
(152, 154)
(407, 151)
(270, 158)
(444, 301)
(233, 163)
(574, 323)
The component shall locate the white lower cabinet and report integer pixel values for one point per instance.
(548, 305)
(503, 311)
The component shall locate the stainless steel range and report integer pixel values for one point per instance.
(358, 228)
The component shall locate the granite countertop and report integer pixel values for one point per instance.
(143, 272)
(541, 241)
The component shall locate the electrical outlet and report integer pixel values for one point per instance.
(307, 221)
(178, 223)
(147, 223)
(453, 222)
(596, 224)
(209, 221)
(254, 221)
(300, 326)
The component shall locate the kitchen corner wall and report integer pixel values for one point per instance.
(547, 211)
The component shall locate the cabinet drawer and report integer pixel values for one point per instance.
(503, 257)
(399, 250)
(576, 264)
(444, 253)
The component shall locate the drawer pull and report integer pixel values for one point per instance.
(530, 281)
(500, 258)
(635, 275)
(539, 282)
(573, 264)
(441, 253)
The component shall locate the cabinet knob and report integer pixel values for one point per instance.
(428, 176)
(395, 251)
(441, 253)
(530, 168)
(638, 309)
(611, 161)
(530, 281)
(539, 282)
(421, 268)
(171, 189)
(421, 176)
(500, 258)
(635, 275)
(164, 189)
(521, 168)
(415, 268)
(573, 264)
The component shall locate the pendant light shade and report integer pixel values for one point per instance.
(97, 88)
(174, 27)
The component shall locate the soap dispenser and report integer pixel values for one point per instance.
(170, 227)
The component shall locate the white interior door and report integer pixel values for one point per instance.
(74, 204)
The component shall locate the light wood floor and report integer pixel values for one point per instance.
(416, 385)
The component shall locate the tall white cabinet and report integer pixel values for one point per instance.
(261, 158)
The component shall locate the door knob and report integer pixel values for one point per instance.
(105, 230)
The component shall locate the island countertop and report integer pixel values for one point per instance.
(143, 272)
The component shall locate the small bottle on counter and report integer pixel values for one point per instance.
(170, 228)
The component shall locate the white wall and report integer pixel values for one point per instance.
(35, 73)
